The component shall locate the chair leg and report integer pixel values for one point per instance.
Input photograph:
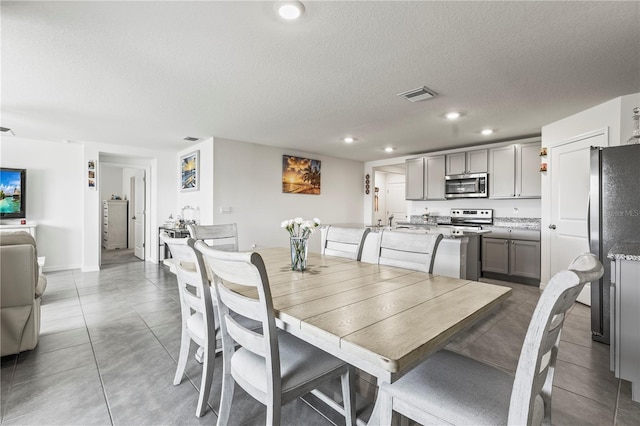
(349, 396)
(185, 343)
(384, 405)
(205, 382)
(226, 398)
(274, 409)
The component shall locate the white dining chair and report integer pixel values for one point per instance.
(416, 251)
(453, 389)
(222, 237)
(197, 308)
(345, 242)
(274, 367)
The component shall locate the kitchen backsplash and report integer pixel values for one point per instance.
(516, 222)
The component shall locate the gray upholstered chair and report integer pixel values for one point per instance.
(197, 307)
(345, 242)
(21, 286)
(416, 251)
(221, 237)
(453, 389)
(273, 367)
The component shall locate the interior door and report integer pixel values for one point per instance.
(569, 172)
(396, 203)
(138, 204)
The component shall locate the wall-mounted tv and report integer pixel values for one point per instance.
(13, 193)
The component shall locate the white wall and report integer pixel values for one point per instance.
(248, 179)
(203, 198)
(56, 180)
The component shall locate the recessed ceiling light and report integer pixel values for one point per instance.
(289, 10)
(452, 115)
(7, 130)
(389, 149)
(487, 132)
(348, 139)
(190, 139)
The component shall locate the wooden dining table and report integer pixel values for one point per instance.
(381, 319)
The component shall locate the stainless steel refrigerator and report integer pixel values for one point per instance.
(613, 217)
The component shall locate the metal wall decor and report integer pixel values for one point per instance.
(366, 185)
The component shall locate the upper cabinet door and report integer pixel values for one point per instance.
(415, 179)
(467, 162)
(528, 179)
(456, 163)
(434, 177)
(477, 161)
(502, 172)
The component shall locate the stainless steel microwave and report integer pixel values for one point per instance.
(474, 185)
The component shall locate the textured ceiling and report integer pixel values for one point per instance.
(151, 73)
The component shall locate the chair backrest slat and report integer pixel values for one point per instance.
(345, 242)
(246, 338)
(416, 251)
(534, 374)
(222, 237)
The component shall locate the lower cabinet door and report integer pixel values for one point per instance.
(495, 255)
(524, 258)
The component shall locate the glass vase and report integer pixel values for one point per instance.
(299, 253)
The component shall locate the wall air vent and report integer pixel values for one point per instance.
(7, 130)
(419, 94)
(190, 139)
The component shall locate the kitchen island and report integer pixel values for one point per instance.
(458, 254)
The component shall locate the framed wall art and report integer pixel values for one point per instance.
(300, 175)
(190, 172)
(91, 174)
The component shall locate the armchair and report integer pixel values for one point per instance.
(21, 286)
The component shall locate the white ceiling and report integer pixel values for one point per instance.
(151, 73)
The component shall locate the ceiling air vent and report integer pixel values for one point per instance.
(190, 139)
(419, 94)
(6, 130)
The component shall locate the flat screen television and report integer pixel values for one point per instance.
(13, 193)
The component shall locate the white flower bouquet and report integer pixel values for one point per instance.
(300, 228)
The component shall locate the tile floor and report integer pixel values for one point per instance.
(110, 340)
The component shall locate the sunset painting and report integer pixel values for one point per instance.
(300, 175)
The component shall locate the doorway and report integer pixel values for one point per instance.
(390, 205)
(124, 179)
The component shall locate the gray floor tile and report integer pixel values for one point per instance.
(62, 324)
(594, 358)
(65, 339)
(52, 312)
(51, 295)
(625, 418)
(592, 384)
(32, 364)
(493, 350)
(70, 397)
(624, 399)
(167, 315)
(570, 409)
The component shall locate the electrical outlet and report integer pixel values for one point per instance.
(515, 210)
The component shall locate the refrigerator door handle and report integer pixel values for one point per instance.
(589, 219)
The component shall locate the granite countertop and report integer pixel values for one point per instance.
(625, 251)
(498, 222)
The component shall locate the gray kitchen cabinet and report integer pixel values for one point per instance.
(414, 179)
(511, 253)
(425, 178)
(625, 317)
(467, 162)
(434, 177)
(514, 171)
(495, 255)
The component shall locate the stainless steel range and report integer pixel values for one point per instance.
(474, 218)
